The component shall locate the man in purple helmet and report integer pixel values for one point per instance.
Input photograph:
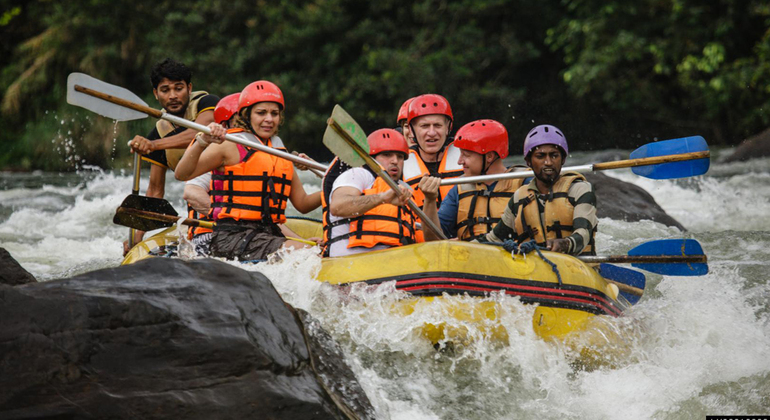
(557, 211)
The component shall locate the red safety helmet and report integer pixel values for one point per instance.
(260, 91)
(429, 104)
(387, 140)
(403, 112)
(226, 107)
(483, 136)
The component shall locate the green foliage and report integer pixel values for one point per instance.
(608, 73)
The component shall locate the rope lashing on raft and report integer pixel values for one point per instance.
(511, 246)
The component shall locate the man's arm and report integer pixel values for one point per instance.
(350, 202)
(584, 218)
(177, 141)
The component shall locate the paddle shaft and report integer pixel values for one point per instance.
(626, 288)
(166, 218)
(618, 164)
(198, 127)
(373, 165)
(645, 259)
(135, 191)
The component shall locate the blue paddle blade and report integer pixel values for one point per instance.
(626, 276)
(672, 170)
(677, 247)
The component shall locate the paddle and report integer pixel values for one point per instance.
(630, 282)
(134, 191)
(131, 214)
(671, 257)
(346, 139)
(668, 159)
(120, 104)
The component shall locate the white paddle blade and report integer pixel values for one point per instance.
(100, 106)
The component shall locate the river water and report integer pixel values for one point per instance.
(694, 345)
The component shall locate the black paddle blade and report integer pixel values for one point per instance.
(151, 204)
(127, 214)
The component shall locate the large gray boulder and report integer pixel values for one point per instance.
(753, 147)
(11, 272)
(620, 200)
(165, 338)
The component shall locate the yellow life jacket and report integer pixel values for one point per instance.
(173, 156)
(415, 169)
(557, 213)
(385, 224)
(479, 209)
(255, 188)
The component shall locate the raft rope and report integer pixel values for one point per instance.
(511, 246)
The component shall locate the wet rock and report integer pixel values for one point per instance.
(620, 200)
(753, 147)
(165, 338)
(11, 272)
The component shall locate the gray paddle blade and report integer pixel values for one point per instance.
(100, 106)
(343, 143)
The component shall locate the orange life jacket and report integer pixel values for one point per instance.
(193, 231)
(256, 187)
(385, 224)
(415, 169)
(557, 214)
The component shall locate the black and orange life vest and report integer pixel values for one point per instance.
(385, 224)
(256, 188)
(336, 168)
(554, 220)
(193, 231)
(415, 169)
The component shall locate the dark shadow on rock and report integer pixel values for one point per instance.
(620, 200)
(11, 272)
(165, 338)
(753, 147)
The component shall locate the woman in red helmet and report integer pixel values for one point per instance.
(251, 188)
(470, 211)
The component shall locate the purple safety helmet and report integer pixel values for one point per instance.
(544, 134)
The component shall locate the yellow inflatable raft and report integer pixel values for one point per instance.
(434, 272)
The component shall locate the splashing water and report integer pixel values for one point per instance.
(693, 345)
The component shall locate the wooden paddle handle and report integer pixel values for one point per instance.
(167, 218)
(654, 160)
(626, 288)
(646, 259)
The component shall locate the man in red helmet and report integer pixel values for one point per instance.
(366, 214)
(470, 211)
(430, 121)
(403, 122)
(166, 143)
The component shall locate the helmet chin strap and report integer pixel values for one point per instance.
(484, 167)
